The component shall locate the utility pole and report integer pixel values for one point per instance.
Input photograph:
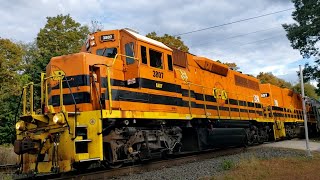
(304, 113)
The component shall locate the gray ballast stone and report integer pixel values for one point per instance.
(214, 166)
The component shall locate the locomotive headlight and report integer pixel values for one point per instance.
(58, 118)
(92, 43)
(20, 126)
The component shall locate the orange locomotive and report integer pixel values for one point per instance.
(126, 97)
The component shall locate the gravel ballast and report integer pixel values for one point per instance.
(214, 166)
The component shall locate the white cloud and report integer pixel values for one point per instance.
(21, 21)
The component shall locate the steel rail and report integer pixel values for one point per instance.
(154, 165)
(8, 168)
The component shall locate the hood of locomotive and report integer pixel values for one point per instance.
(39, 135)
(83, 74)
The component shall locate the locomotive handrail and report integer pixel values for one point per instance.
(75, 109)
(24, 98)
(122, 55)
(44, 98)
(109, 79)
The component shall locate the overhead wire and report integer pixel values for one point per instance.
(261, 40)
(232, 37)
(253, 42)
(233, 22)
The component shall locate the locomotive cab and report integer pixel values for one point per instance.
(142, 57)
(146, 64)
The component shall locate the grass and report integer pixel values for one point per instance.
(7, 155)
(276, 168)
(227, 164)
(5, 176)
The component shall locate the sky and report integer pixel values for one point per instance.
(257, 45)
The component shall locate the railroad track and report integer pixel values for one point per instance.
(146, 166)
(8, 168)
(152, 165)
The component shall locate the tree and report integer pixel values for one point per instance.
(309, 90)
(232, 65)
(272, 79)
(11, 80)
(10, 64)
(95, 26)
(169, 40)
(60, 36)
(304, 35)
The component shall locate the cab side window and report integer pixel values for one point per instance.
(107, 52)
(144, 55)
(129, 48)
(155, 59)
(170, 63)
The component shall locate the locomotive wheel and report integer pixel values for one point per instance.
(165, 155)
(260, 139)
(115, 165)
(250, 137)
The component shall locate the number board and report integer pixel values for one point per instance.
(107, 37)
(264, 95)
(158, 74)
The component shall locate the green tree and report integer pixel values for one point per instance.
(272, 79)
(11, 80)
(60, 36)
(232, 65)
(169, 40)
(304, 34)
(309, 90)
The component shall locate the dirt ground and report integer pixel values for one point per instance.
(278, 168)
(7, 155)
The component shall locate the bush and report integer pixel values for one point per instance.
(227, 164)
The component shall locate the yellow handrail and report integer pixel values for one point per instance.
(109, 90)
(44, 90)
(61, 93)
(24, 99)
(41, 86)
(122, 55)
(109, 78)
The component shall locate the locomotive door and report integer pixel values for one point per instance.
(161, 80)
(131, 73)
(131, 64)
(95, 88)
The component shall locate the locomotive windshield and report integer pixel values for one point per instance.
(107, 52)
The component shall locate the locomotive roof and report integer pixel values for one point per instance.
(146, 39)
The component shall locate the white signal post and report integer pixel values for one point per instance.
(304, 113)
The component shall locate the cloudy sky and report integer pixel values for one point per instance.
(257, 45)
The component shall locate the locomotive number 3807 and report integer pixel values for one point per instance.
(158, 74)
